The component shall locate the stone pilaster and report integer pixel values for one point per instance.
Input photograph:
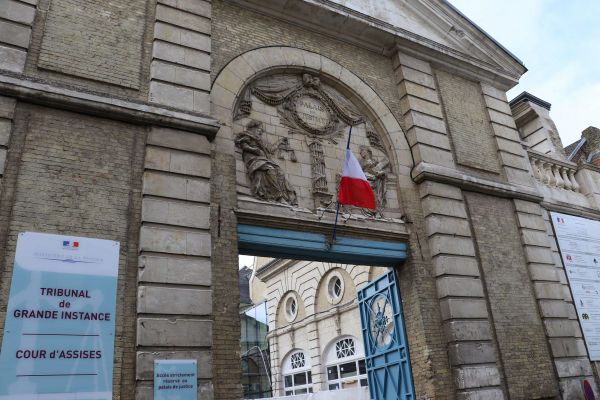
(511, 153)
(423, 119)
(16, 19)
(471, 346)
(180, 69)
(555, 304)
(174, 282)
(316, 357)
(7, 110)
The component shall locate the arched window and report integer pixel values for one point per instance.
(345, 364)
(297, 378)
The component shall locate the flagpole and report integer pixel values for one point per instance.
(337, 211)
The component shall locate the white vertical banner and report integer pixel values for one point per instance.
(579, 242)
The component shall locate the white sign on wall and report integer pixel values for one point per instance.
(579, 242)
(60, 321)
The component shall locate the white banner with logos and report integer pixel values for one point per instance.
(579, 242)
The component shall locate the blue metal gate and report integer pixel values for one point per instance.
(386, 348)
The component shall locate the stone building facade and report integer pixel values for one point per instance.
(165, 124)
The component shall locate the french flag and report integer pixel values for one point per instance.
(69, 244)
(355, 189)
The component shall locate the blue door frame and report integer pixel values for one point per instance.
(388, 363)
(384, 337)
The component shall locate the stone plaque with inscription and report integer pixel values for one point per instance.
(312, 112)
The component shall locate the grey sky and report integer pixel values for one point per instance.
(559, 42)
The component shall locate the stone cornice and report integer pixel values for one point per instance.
(425, 171)
(96, 104)
(379, 36)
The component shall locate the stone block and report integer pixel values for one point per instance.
(444, 224)
(438, 205)
(542, 255)
(527, 207)
(171, 95)
(177, 162)
(198, 7)
(178, 213)
(435, 139)
(180, 140)
(7, 107)
(482, 394)
(502, 119)
(459, 286)
(455, 265)
(562, 328)
(16, 11)
(467, 331)
(12, 59)
(476, 376)
(548, 290)
(567, 347)
(180, 75)
(554, 308)
(535, 238)
(570, 367)
(514, 161)
(422, 106)
(498, 105)
(430, 188)
(3, 154)
(463, 308)
(184, 19)
(177, 187)
(182, 37)
(518, 176)
(543, 272)
(510, 146)
(145, 362)
(174, 241)
(426, 121)
(181, 55)
(5, 129)
(174, 300)
(412, 62)
(508, 133)
(175, 332)
(456, 245)
(416, 76)
(531, 221)
(169, 269)
(489, 90)
(409, 88)
(471, 353)
(433, 155)
(14, 34)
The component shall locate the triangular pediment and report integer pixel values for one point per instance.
(432, 27)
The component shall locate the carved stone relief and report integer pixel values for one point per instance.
(301, 106)
(267, 179)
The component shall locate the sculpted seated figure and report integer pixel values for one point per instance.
(267, 180)
(376, 172)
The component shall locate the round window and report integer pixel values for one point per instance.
(335, 288)
(291, 307)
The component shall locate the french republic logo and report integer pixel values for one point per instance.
(67, 244)
(560, 220)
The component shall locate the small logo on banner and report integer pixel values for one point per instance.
(67, 244)
(569, 258)
(560, 220)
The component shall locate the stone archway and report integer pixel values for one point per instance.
(231, 205)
